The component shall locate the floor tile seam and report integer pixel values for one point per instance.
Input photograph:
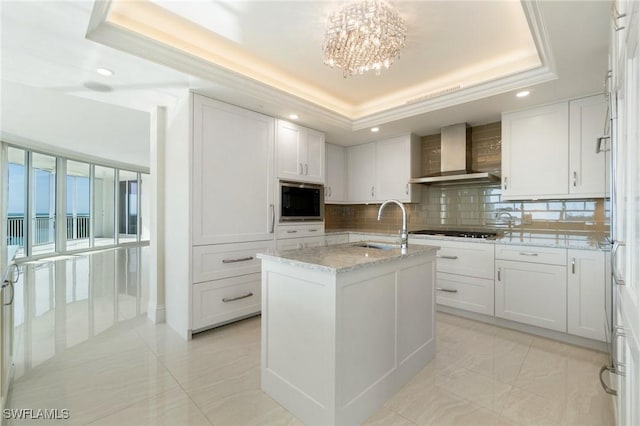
(183, 389)
(563, 404)
(120, 409)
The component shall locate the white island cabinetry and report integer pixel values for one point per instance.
(338, 341)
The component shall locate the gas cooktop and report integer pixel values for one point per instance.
(461, 234)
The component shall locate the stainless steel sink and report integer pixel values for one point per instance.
(378, 246)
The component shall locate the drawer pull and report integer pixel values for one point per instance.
(447, 290)
(244, 296)
(446, 257)
(242, 259)
(313, 230)
(528, 254)
(291, 232)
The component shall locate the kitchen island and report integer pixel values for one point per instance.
(344, 327)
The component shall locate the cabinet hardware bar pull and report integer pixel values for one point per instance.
(406, 190)
(244, 296)
(306, 169)
(575, 179)
(614, 264)
(273, 218)
(599, 144)
(242, 259)
(372, 191)
(300, 167)
(505, 182)
(313, 230)
(448, 290)
(8, 283)
(573, 266)
(606, 388)
(499, 269)
(291, 232)
(528, 254)
(446, 257)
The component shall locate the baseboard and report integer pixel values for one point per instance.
(531, 329)
(156, 313)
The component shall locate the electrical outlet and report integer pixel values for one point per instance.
(527, 219)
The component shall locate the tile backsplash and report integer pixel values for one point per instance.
(473, 206)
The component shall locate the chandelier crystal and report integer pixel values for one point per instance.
(363, 36)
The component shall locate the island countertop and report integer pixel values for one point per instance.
(344, 257)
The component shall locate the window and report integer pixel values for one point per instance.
(43, 203)
(128, 206)
(104, 206)
(17, 201)
(78, 205)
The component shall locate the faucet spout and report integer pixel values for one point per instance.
(404, 235)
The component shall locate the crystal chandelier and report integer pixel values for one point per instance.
(363, 36)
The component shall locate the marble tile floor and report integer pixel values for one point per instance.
(137, 373)
(83, 343)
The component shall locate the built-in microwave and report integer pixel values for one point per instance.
(301, 202)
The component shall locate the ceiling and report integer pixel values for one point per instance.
(556, 49)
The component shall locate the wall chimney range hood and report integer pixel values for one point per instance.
(455, 162)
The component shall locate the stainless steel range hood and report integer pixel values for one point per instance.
(455, 162)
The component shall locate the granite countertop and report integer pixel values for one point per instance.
(567, 240)
(344, 257)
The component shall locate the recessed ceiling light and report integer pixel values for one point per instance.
(293, 116)
(105, 72)
(523, 94)
(375, 129)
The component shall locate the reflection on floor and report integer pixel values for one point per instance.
(98, 356)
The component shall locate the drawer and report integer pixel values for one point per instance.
(299, 243)
(468, 293)
(216, 302)
(460, 258)
(297, 231)
(219, 261)
(547, 255)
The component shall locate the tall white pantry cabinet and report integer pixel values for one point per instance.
(222, 158)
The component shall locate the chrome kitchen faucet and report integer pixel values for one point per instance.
(404, 236)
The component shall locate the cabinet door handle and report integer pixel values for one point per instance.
(312, 230)
(330, 191)
(241, 259)
(575, 179)
(447, 290)
(273, 218)
(606, 388)
(528, 254)
(291, 232)
(306, 169)
(573, 265)
(372, 192)
(231, 299)
(614, 264)
(300, 168)
(499, 270)
(446, 257)
(406, 190)
(505, 183)
(599, 144)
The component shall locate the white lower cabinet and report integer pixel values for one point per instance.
(468, 293)
(532, 293)
(586, 290)
(220, 301)
(219, 261)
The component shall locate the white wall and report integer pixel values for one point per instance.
(74, 124)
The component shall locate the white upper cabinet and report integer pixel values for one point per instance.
(550, 152)
(335, 190)
(535, 153)
(381, 170)
(233, 196)
(361, 172)
(586, 165)
(397, 161)
(300, 153)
